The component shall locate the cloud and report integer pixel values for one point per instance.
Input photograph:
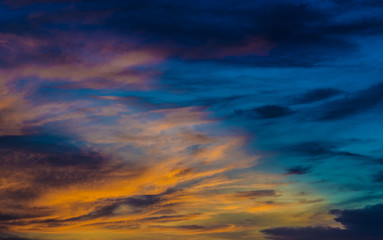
(283, 28)
(106, 170)
(362, 223)
(256, 194)
(12, 237)
(115, 207)
(359, 3)
(378, 177)
(265, 112)
(199, 229)
(260, 34)
(33, 166)
(318, 149)
(352, 105)
(316, 95)
(299, 170)
(84, 149)
(314, 233)
(273, 111)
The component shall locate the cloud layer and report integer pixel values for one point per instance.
(190, 120)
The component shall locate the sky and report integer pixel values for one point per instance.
(192, 120)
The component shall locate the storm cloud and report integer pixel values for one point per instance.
(359, 224)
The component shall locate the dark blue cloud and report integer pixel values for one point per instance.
(265, 112)
(182, 28)
(316, 95)
(55, 151)
(359, 3)
(354, 104)
(320, 149)
(44, 162)
(299, 170)
(363, 223)
(273, 111)
(378, 177)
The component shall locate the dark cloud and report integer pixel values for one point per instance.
(8, 217)
(378, 177)
(240, 33)
(312, 148)
(354, 104)
(142, 200)
(288, 26)
(23, 3)
(316, 95)
(308, 233)
(273, 111)
(50, 170)
(359, 3)
(170, 218)
(320, 149)
(265, 112)
(299, 170)
(39, 163)
(192, 227)
(256, 194)
(47, 151)
(37, 143)
(363, 223)
(12, 237)
(196, 228)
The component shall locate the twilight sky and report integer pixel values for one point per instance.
(192, 120)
